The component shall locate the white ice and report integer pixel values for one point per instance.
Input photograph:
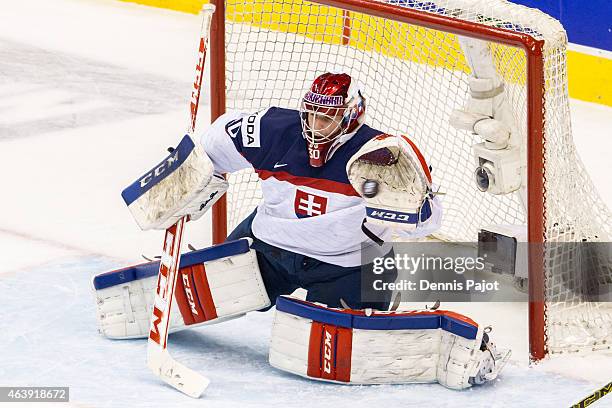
(90, 92)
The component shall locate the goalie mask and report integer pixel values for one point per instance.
(331, 109)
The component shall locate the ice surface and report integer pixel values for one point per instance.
(91, 93)
(49, 338)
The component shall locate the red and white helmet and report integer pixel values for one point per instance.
(331, 108)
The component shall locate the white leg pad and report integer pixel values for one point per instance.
(219, 283)
(350, 346)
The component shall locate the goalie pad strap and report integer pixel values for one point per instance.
(204, 293)
(485, 93)
(370, 234)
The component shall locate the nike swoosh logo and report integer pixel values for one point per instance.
(277, 165)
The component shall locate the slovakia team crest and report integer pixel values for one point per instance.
(308, 204)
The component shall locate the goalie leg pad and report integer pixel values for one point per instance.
(371, 347)
(215, 284)
(221, 288)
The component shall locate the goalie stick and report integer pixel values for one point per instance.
(159, 359)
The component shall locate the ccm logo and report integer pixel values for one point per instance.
(156, 172)
(155, 332)
(189, 294)
(390, 216)
(327, 352)
(195, 94)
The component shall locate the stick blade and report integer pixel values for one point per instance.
(174, 373)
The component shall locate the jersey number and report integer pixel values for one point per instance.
(313, 152)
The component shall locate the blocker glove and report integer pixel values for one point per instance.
(183, 184)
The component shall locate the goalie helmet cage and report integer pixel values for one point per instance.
(407, 56)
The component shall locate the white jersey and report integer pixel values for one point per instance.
(308, 210)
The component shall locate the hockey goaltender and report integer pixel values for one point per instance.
(331, 186)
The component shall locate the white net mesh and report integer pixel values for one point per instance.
(413, 78)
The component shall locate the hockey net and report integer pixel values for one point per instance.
(407, 56)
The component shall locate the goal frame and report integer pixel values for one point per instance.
(533, 49)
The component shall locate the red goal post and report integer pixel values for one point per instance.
(413, 13)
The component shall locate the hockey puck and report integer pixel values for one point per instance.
(370, 188)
